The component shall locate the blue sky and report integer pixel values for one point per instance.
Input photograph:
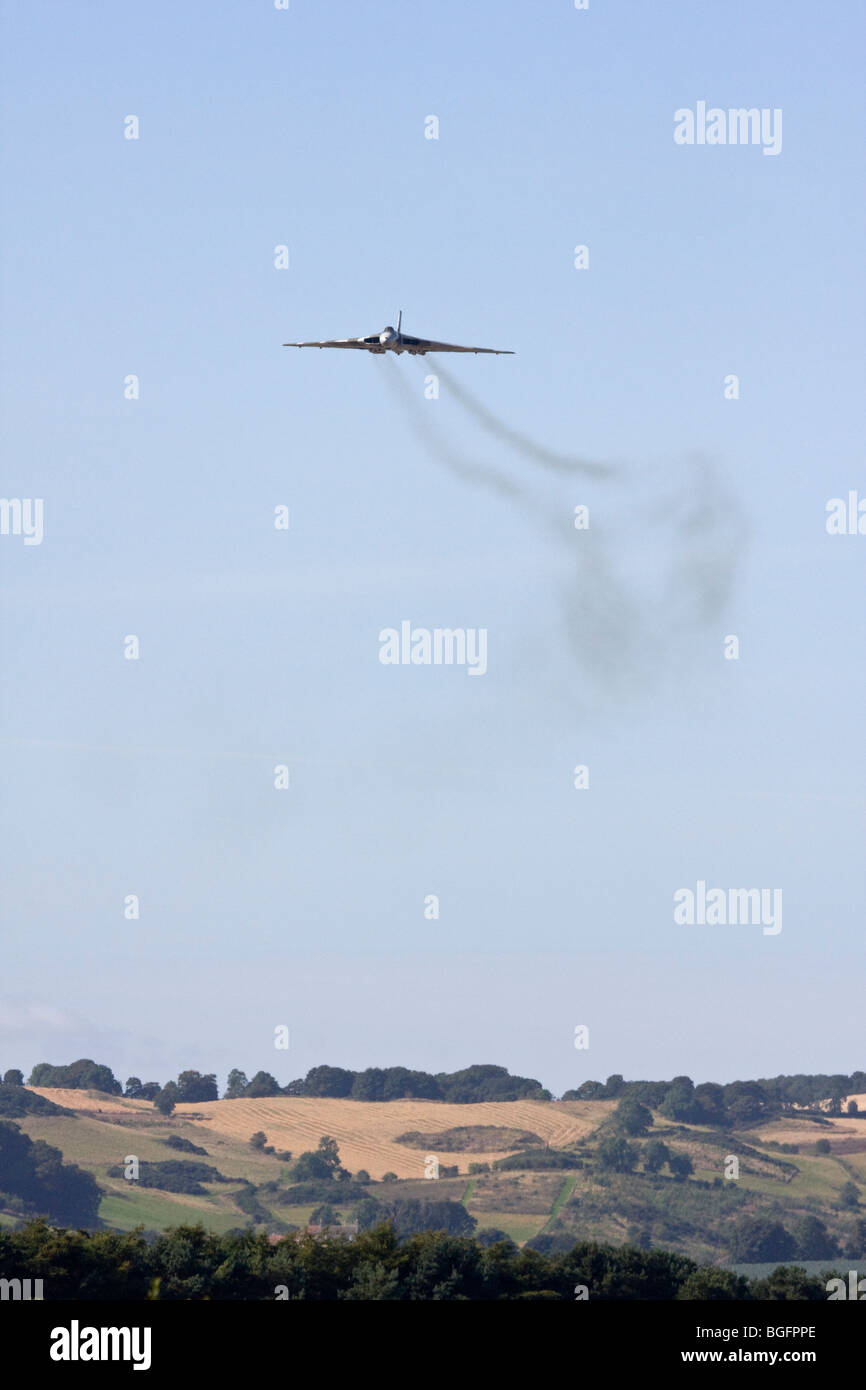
(259, 647)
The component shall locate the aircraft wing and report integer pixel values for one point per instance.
(333, 342)
(428, 345)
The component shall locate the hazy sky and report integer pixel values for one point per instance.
(155, 257)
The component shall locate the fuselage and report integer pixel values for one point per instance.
(390, 340)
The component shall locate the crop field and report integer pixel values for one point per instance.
(367, 1132)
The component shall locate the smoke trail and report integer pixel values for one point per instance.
(548, 458)
(464, 468)
(616, 629)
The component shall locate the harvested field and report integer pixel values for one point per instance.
(367, 1132)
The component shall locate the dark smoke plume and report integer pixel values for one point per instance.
(685, 532)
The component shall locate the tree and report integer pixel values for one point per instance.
(311, 1167)
(679, 1103)
(194, 1089)
(630, 1117)
(622, 1273)
(680, 1165)
(401, 1082)
(362, 1175)
(814, 1241)
(83, 1075)
(413, 1215)
(849, 1197)
(855, 1248)
(13, 1077)
(18, 1101)
(650, 1093)
(329, 1081)
(263, 1084)
(822, 1146)
(369, 1212)
(746, 1102)
(166, 1099)
(710, 1102)
(43, 1074)
(35, 1172)
(327, 1147)
(715, 1284)
(236, 1084)
(88, 1075)
(617, 1155)
(655, 1155)
(790, 1284)
(852, 1107)
(369, 1085)
(320, 1164)
(480, 1082)
(587, 1090)
(493, 1235)
(390, 1177)
(373, 1282)
(323, 1215)
(258, 1140)
(757, 1240)
(132, 1089)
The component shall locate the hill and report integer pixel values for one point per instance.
(794, 1170)
(367, 1132)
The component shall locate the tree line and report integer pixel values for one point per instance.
(189, 1263)
(466, 1087)
(734, 1103)
(680, 1100)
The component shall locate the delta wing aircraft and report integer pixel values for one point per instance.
(394, 340)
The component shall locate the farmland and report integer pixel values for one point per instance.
(367, 1133)
(782, 1175)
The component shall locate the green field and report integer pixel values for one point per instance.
(519, 1228)
(156, 1211)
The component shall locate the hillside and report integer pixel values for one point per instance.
(783, 1178)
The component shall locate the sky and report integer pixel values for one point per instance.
(439, 491)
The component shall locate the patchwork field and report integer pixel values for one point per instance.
(367, 1132)
(588, 1201)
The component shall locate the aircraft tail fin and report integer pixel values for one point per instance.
(399, 319)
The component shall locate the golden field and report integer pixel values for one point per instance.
(365, 1131)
